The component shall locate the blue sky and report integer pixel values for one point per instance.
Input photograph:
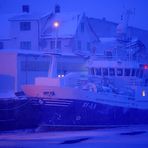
(111, 9)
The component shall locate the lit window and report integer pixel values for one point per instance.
(25, 45)
(145, 66)
(25, 26)
(143, 93)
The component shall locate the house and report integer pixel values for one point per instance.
(26, 52)
(28, 41)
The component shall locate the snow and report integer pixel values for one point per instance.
(68, 23)
(6, 95)
(105, 39)
(120, 137)
(27, 16)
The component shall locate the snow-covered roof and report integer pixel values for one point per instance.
(33, 52)
(27, 16)
(68, 23)
(105, 39)
(113, 64)
(5, 24)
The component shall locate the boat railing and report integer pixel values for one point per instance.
(115, 58)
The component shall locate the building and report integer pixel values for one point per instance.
(28, 40)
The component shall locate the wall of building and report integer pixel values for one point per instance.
(8, 65)
(67, 45)
(28, 35)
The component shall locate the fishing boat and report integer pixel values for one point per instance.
(113, 92)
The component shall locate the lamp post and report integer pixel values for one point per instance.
(56, 26)
(53, 68)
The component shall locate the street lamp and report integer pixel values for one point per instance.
(53, 68)
(56, 25)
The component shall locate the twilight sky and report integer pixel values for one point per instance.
(111, 9)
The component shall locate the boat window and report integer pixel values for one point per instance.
(133, 72)
(127, 72)
(105, 72)
(92, 71)
(98, 71)
(137, 72)
(141, 73)
(119, 71)
(111, 71)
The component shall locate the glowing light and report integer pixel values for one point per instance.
(60, 76)
(56, 24)
(143, 93)
(145, 66)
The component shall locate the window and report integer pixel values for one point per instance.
(82, 27)
(79, 45)
(127, 72)
(59, 44)
(88, 46)
(111, 71)
(25, 26)
(141, 73)
(137, 72)
(133, 72)
(105, 72)
(34, 66)
(52, 45)
(25, 45)
(108, 54)
(1, 45)
(92, 71)
(98, 71)
(25, 8)
(119, 72)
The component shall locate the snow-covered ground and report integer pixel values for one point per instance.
(123, 137)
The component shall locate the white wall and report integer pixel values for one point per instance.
(31, 35)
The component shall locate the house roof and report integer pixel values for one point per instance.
(5, 24)
(68, 23)
(27, 16)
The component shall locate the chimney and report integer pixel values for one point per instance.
(25, 9)
(57, 9)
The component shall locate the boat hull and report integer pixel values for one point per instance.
(80, 113)
(17, 114)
